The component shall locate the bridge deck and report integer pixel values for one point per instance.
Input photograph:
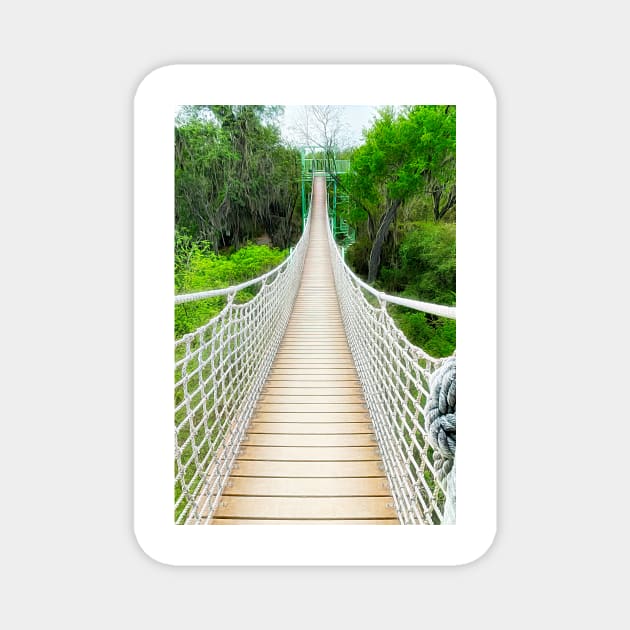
(310, 454)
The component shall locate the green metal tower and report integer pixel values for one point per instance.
(316, 160)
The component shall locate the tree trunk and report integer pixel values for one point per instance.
(377, 245)
(370, 225)
(438, 213)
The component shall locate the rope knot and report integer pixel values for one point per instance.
(440, 416)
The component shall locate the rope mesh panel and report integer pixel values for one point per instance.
(220, 369)
(395, 376)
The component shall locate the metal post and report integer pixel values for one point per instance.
(303, 202)
(303, 171)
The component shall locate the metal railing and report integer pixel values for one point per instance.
(396, 379)
(220, 369)
(329, 165)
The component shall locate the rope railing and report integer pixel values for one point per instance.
(220, 369)
(397, 381)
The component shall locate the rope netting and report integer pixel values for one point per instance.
(220, 369)
(397, 381)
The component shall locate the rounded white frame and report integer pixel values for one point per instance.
(155, 104)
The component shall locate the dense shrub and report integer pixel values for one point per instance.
(423, 267)
(205, 270)
(435, 335)
(428, 263)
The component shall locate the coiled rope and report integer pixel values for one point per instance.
(440, 415)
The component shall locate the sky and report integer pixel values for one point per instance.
(357, 117)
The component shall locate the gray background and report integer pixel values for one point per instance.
(69, 70)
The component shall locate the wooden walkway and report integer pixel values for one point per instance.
(310, 454)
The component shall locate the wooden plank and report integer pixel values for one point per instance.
(330, 372)
(311, 315)
(302, 314)
(308, 363)
(296, 327)
(321, 351)
(307, 487)
(309, 453)
(313, 334)
(314, 428)
(341, 397)
(306, 391)
(311, 381)
(306, 507)
(304, 439)
(324, 348)
(306, 357)
(297, 333)
(257, 468)
(310, 407)
(320, 338)
(311, 386)
(274, 521)
(297, 416)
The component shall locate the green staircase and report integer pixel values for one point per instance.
(316, 160)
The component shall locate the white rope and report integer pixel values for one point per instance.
(427, 307)
(191, 297)
(395, 376)
(220, 369)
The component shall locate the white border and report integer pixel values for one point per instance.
(156, 100)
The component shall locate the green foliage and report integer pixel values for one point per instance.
(358, 254)
(404, 154)
(408, 160)
(205, 270)
(427, 262)
(422, 267)
(234, 179)
(408, 249)
(435, 335)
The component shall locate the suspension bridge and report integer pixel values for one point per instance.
(306, 404)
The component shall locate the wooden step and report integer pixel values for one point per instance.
(312, 378)
(310, 371)
(310, 390)
(340, 398)
(312, 428)
(288, 407)
(275, 521)
(305, 507)
(307, 487)
(308, 361)
(298, 416)
(304, 439)
(309, 453)
(244, 468)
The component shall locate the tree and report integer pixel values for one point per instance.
(322, 126)
(233, 176)
(405, 154)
